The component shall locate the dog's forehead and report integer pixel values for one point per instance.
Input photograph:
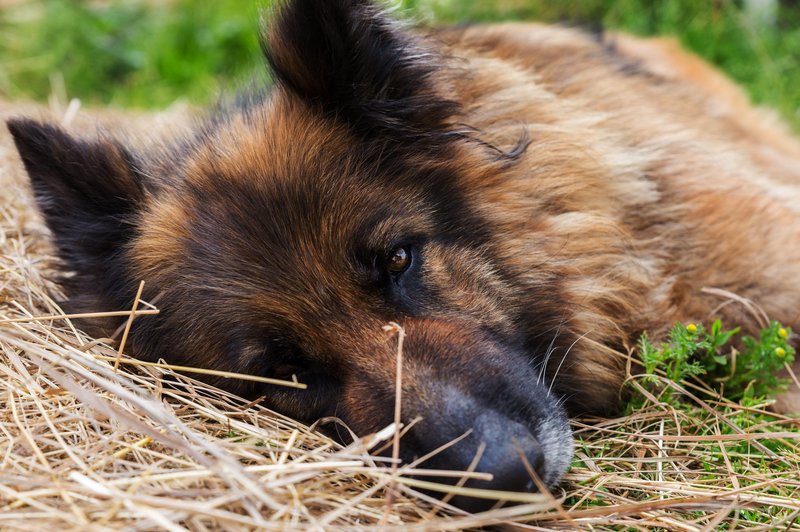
(279, 138)
(275, 188)
(283, 159)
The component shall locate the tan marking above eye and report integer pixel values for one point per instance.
(398, 260)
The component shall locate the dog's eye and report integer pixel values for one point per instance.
(286, 372)
(398, 260)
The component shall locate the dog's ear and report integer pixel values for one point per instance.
(89, 192)
(354, 61)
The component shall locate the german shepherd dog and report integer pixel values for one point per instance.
(523, 200)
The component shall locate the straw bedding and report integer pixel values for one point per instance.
(84, 446)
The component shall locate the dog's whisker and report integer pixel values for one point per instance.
(548, 353)
(566, 353)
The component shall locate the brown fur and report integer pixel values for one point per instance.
(683, 184)
(559, 194)
(644, 275)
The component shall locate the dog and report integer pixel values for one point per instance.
(523, 200)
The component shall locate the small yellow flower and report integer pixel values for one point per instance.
(783, 333)
(781, 352)
(692, 328)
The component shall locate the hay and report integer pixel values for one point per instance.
(83, 445)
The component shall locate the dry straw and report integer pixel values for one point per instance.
(86, 446)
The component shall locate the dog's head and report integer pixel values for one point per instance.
(284, 235)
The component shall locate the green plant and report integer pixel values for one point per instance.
(738, 374)
(753, 371)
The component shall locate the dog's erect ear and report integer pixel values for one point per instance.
(87, 190)
(350, 58)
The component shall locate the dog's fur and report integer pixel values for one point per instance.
(557, 192)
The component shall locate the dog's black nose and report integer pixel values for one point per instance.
(507, 446)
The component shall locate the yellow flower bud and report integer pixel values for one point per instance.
(781, 352)
(783, 333)
(692, 328)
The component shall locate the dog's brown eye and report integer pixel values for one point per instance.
(398, 260)
(286, 372)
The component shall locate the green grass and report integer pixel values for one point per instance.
(128, 54)
(689, 413)
(150, 54)
(693, 394)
